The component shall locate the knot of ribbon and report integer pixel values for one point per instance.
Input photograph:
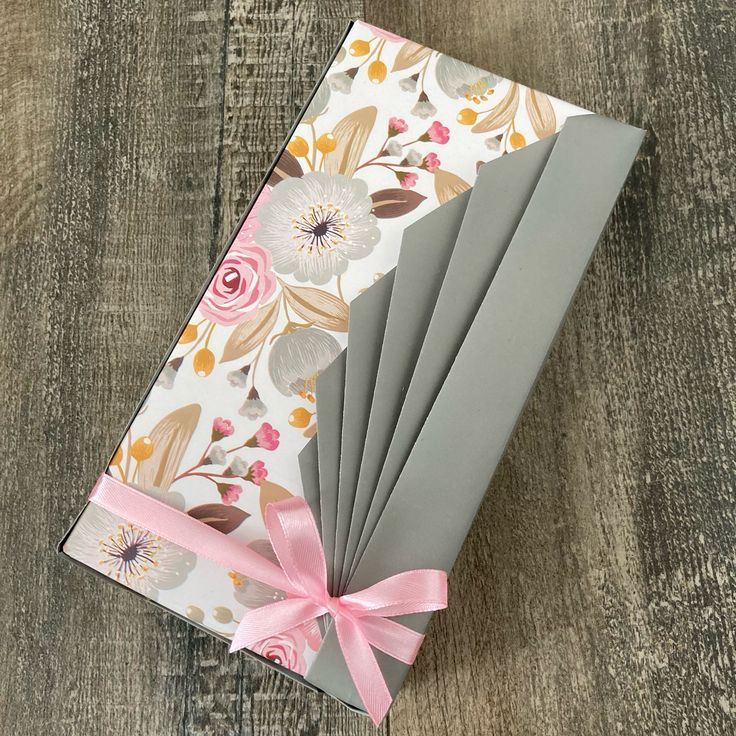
(361, 619)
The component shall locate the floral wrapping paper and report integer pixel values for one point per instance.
(393, 131)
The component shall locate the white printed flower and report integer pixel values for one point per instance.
(298, 357)
(424, 108)
(216, 456)
(494, 144)
(414, 158)
(315, 224)
(458, 79)
(394, 148)
(342, 81)
(239, 377)
(253, 407)
(237, 468)
(128, 554)
(168, 375)
(409, 84)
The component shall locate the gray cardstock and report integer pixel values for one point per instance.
(500, 195)
(309, 471)
(368, 315)
(330, 393)
(479, 404)
(425, 252)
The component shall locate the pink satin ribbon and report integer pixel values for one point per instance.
(360, 618)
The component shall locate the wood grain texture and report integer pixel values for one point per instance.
(596, 592)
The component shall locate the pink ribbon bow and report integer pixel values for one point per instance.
(360, 618)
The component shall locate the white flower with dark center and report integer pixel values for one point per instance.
(316, 224)
(128, 554)
(458, 79)
(298, 357)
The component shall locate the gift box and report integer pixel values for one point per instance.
(399, 278)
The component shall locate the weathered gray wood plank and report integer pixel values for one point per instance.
(596, 591)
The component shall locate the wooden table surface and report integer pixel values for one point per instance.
(596, 592)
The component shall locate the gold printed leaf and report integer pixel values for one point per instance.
(318, 307)
(409, 55)
(271, 493)
(350, 134)
(502, 114)
(250, 334)
(541, 113)
(170, 438)
(448, 185)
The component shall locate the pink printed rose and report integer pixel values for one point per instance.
(430, 162)
(286, 649)
(396, 126)
(221, 428)
(244, 279)
(437, 133)
(242, 283)
(257, 472)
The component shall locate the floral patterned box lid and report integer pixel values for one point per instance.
(392, 131)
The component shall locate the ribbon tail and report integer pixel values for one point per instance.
(391, 637)
(275, 618)
(363, 668)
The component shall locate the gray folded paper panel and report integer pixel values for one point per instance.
(501, 194)
(425, 253)
(517, 321)
(330, 396)
(368, 315)
(309, 470)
